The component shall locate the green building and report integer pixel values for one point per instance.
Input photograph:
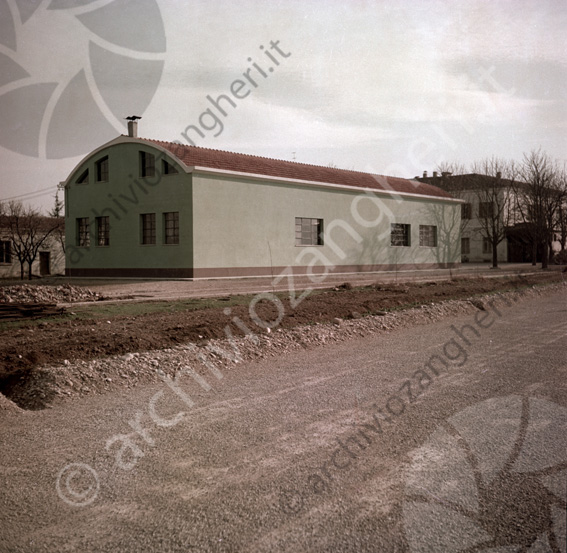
(146, 208)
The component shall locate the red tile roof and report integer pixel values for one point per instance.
(245, 163)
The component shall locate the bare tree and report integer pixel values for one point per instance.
(57, 210)
(541, 194)
(561, 218)
(10, 215)
(58, 213)
(447, 219)
(494, 184)
(560, 222)
(458, 187)
(28, 231)
(451, 168)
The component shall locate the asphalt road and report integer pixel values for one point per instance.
(437, 438)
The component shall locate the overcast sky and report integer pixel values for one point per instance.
(391, 87)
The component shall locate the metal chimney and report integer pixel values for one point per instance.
(133, 129)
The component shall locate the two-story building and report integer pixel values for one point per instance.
(483, 196)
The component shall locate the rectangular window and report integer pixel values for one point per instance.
(102, 169)
(167, 168)
(308, 232)
(465, 246)
(466, 211)
(148, 225)
(5, 251)
(83, 232)
(428, 236)
(485, 210)
(171, 224)
(103, 231)
(486, 245)
(400, 234)
(147, 164)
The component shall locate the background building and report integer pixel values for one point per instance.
(50, 257)
(486, 196)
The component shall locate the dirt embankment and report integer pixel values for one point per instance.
(80, 342)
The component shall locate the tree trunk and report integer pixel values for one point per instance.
(494, 256)
(21, 270)
(29, 271)
(544, 257)
(534, 253)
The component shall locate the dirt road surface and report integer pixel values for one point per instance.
(183, 288)
(432, 438)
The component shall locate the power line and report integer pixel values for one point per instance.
(31, 195)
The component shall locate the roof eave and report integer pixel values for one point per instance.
(301, 182)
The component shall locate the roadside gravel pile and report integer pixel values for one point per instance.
(49, 384)
(66, 293)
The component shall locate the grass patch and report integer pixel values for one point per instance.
(110, 310)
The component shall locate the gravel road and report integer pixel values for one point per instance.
(433, 438)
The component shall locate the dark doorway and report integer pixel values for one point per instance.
(44, 263)
(520, 248)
